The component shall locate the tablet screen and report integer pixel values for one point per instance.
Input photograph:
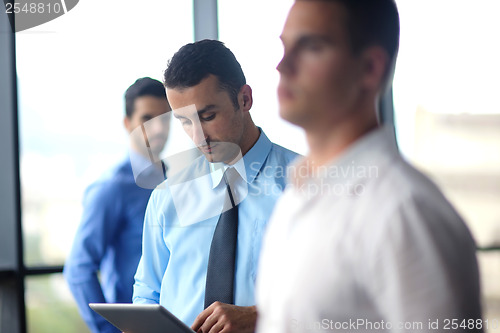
(140, 318)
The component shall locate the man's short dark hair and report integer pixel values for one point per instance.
(145, 86)
(196, 61)
(373, 22)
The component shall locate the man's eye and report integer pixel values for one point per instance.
(313, 46)
(310, 45)
(211, 117)
(185, 122)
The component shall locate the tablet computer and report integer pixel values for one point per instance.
(140, 318)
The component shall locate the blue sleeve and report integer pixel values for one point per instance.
(99, 220)
(155, 255)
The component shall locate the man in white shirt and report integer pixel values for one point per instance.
(360, 240)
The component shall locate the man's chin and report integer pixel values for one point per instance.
(289, 114)
(212, 157)
(218, 157)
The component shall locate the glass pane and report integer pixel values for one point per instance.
(50, 306)
(448, 116)
(72, 74)
(256, 44)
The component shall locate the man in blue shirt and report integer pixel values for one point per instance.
(208, 93)
(109, 237)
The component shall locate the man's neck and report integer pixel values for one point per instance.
(252, 136)
(328, 142)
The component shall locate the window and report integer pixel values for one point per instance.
(72, 75)
(256, 44)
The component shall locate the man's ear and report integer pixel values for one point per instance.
(375, 62)
(126, 123)
(245, 99)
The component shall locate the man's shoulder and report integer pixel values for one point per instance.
(282, 154)
(410, 191)
(406, 180)
(280, 150)
(112, 180)
(115, 173)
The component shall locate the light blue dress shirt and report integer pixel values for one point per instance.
(180, 221)
(108, 240)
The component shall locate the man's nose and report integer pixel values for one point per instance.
(285, 66)
(198, 136)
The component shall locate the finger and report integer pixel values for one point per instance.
(210, 322)
(217, 318)
(216, 328)
(200, 319)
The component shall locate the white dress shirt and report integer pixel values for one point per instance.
(366, 243)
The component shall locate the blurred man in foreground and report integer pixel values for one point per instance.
(360, 240)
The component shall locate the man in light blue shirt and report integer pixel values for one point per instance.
(109, 237)
(207, 90)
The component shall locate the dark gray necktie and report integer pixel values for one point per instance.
(220, 270)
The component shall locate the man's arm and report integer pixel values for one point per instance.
(226, 318)
(154, 259)
(91, 240)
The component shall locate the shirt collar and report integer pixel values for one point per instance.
(249, 166)
(217, 170)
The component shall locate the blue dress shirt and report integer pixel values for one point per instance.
(108, 240)
(180, 221)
